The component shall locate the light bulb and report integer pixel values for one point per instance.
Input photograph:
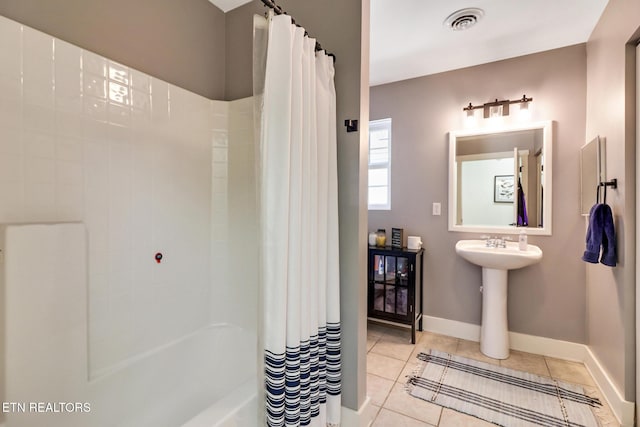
(470, 118)
(525, 111)
(495, 111)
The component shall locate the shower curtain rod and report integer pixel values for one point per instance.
(278, 11)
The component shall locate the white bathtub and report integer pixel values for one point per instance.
(45, 357)
(206, 379)
(237, 409)
(209, 374)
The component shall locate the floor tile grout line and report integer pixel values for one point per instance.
(409, 416)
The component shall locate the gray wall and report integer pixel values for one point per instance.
(611, 114)
(181, 42)
(546, 299)
(239, 42)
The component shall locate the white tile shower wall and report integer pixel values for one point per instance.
(3, 321)
(220, 250)
(235, 260)
(243, 222)
(85, 139)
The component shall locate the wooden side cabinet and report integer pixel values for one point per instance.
(395, 286)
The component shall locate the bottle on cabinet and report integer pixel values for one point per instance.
(373, 238)
(381, 237)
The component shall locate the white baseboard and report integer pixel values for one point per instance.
(548, 347)
(623, 410)
(363, 417)
(452, 328)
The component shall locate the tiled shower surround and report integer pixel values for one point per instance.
(145, 166)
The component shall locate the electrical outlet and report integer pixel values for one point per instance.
(436, 209)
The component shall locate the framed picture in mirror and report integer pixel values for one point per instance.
(503, 188)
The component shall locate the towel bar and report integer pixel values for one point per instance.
(613, 184)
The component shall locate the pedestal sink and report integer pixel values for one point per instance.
(495, 262)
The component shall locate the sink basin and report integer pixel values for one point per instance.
(509, 258)
(495, 263)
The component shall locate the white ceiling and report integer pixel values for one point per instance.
(408, 38)
(227, 5)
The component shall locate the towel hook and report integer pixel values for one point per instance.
(613, 184)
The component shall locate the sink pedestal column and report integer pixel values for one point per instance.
(494, 333)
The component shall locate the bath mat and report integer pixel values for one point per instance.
(499, 395)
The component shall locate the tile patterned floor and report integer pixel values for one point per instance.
(391, 357)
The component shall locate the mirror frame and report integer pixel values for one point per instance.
(547, 147)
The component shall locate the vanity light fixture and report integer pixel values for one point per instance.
(497, 108)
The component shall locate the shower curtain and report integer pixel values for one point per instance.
(297, 166)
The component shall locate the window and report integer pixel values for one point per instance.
(380, 164)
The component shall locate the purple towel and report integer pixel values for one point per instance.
(601, 235)
(523, 218)
(609, 238)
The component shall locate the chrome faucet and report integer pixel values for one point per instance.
(490, 242)
(496, 242)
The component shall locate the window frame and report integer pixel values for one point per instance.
(378, 125)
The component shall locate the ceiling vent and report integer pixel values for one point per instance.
(464, 19)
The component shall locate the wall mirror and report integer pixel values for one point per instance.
(592, 165)
(500, 179)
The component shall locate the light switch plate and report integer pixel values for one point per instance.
(436, 209)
